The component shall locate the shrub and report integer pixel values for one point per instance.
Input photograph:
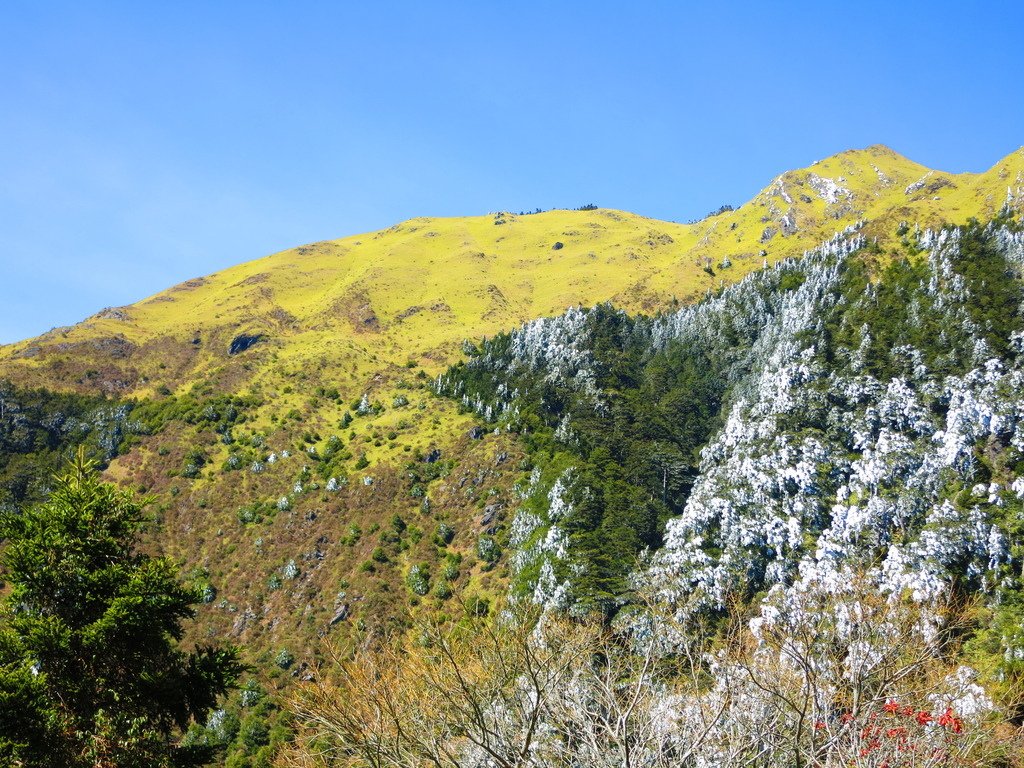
(195, 460)
(254, 732)
(418, 580)
(291, 570)
(284, 658)
(444, 534)
(249, 514)
(443, 590)
(488, 550)
(450, 571)
(252, 694)
(478, 606)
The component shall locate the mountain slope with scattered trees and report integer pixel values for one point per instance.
(752, 407)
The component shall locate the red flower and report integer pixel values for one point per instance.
(819, 725)
(923, 718)
(949, 720)
(892, 707)
(907, 711)
(846, 717)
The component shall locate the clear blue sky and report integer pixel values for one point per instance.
(145, 143)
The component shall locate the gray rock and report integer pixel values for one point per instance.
(243, 342)
(490, 513)
(342, 613)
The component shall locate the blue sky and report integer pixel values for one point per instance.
(142, 143)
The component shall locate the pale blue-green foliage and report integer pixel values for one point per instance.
(418, 580)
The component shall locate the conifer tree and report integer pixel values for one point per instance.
(91, 671)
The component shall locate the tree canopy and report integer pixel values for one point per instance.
(91, 669)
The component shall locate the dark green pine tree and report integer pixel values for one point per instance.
(91, 672)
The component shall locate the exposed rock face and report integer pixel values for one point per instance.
(788, 223)
(918, 185)
(829, 190)
(115, 347)
(341, 614)
(357, 307)
(112, 313)
(490, 514)
(243, 342)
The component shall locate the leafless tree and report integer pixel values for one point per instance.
(820, 678)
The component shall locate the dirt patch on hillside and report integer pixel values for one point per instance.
(358, 310)
(259, 277)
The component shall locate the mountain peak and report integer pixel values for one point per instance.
(883, 150)
(1014, 160)
(875, 155)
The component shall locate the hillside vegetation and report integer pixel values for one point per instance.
(283, 414)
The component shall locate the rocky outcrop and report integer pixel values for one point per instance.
(243, 342)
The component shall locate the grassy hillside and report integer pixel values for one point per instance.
(299, 465)
(354, 308)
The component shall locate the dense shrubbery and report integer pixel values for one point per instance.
(799, 685)
(39, 429)
(216, 412)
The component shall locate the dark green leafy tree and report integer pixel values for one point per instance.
(91, 672)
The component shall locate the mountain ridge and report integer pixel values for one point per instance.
(421, 286)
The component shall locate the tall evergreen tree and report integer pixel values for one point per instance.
(91, 672)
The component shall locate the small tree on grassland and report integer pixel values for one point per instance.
(91, 673)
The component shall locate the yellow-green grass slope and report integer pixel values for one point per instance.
(355, 308)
